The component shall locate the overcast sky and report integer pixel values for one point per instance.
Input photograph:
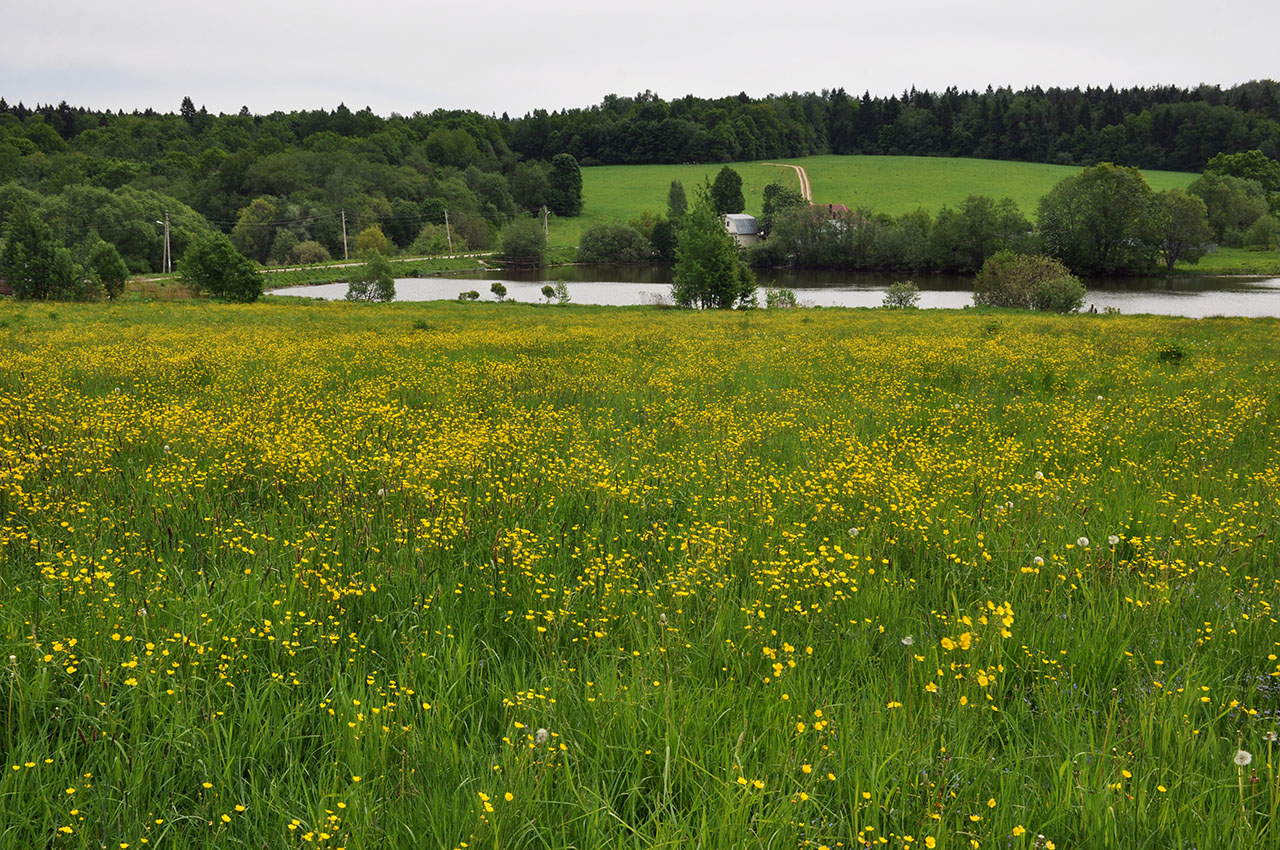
(500, 56)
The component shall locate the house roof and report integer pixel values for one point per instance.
(741, 225)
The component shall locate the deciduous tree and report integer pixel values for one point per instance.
(255, 230)
(1097, 222)
(213, 266)
(35, 262)
(709, 272)
(777, 199)
(1180, 227)
(565, 190)
(1233, 204)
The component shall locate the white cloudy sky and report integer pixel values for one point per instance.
(507, 56)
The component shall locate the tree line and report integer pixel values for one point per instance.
(283, 187)
(1163, 127)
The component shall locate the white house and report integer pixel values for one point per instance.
(743, 228)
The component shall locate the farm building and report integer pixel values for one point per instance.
(743, 228)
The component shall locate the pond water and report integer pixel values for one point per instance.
(631, 285)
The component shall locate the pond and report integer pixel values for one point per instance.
(1192, 296)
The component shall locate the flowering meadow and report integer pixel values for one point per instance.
(508, 576)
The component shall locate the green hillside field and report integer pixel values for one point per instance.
(890, 184)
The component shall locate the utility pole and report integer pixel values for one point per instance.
(166, 259)
(344, 234)
(447, 234)
(168, 253)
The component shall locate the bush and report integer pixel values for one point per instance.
(373, 239)
(469, 295)
(431, 239)
(308, 252)
(902, 295)
(548, 292)
(524, 243)
(613, 243)
(374, 281)
(782, 298)
(562, 292)
(499, 291)
(1060, 295)
(1263, 233)
(1027, 281)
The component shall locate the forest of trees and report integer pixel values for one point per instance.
(279, 185)
(1163, 128)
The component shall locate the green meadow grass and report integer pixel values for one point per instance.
(517, 576)
(889, 184)
(1241, 261)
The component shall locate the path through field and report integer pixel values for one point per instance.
(804, 179)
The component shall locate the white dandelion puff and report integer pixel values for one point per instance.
(853, 532)
(908, 641)
(1038, 561)
(541, 736)
(1039, 475)
(1113, 539)
(1082, 542)
(1243, 758)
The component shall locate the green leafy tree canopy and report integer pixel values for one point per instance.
(709, 271)
(373, 281)
(213, 266)
(726, 192)
(564, 195)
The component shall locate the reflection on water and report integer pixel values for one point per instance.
(631, 285)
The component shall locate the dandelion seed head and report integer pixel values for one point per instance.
(1082, 542)
(1243, 758)
(1113, 539)
(541, 736)
(908, 641)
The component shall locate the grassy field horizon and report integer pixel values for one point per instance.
(888, 184)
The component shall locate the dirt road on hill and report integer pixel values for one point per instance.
(805, 192)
